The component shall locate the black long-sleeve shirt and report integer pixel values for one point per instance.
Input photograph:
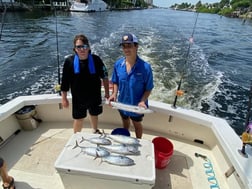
(85, 87)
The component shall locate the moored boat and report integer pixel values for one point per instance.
(88, 6)
(205, 155)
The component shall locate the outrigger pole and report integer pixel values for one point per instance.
(246, 135)
(2, 23)
(249, 107)
(57, 88)
(179, 92)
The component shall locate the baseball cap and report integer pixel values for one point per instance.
(129, 38)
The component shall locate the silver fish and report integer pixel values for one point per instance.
(124, 139)
(97, 140)
(92, 151)
(123, 149)
(118, 160)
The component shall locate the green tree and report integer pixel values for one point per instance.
(240, 4)
(199, 4)
(224, 3)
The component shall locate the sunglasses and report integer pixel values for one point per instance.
(128, 45)
(82, 46)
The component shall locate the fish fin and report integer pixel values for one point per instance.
(97, 155)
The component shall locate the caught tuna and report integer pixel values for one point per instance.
(124, 139)
(97, 140)
(123, 149)
(118, 160)
(93, 151)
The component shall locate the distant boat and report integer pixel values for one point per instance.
(88, 6)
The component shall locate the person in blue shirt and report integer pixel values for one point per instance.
(132, 80)
(82, 73)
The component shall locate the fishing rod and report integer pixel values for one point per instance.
(180, 92)
(247, 134)
(57, 87)
(2, 22)
(249, 106)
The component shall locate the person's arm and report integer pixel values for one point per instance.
(65, 86)
(113, 97)
(149, 86)
(106, 87)
(65, 101)
(144, 98)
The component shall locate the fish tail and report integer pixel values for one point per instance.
(76, 145)
(82, 139)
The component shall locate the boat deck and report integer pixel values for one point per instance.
(31, 155)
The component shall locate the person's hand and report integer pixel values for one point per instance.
(111, 98)
(106, 96)
(65, 103)
(142, 104)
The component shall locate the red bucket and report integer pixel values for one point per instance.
(163, 151)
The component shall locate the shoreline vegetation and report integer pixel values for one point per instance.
(228, 8)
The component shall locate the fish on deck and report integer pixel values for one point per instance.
(97, 140)
(124, 139)
(92, 151)
(123, 149)
(118, 160)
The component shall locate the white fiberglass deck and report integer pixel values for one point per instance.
(31, 156)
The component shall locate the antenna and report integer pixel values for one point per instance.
(2, 22)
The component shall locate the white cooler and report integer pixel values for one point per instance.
(79, 171)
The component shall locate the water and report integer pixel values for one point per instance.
(217, 72)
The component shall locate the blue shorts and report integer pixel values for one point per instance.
(80, 111)
(133, 118)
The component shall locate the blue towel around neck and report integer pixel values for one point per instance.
(91, 66)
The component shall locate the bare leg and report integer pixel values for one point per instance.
(138, 128)
(77, 125)
(94, 122)
(126, 123)
(4, 173)
(5, 177)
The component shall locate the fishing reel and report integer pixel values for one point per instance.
(57, 88)
(180, 92)
(246, 138)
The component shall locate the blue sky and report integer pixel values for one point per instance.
(168, 3)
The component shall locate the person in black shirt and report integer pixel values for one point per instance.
(82, 73)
